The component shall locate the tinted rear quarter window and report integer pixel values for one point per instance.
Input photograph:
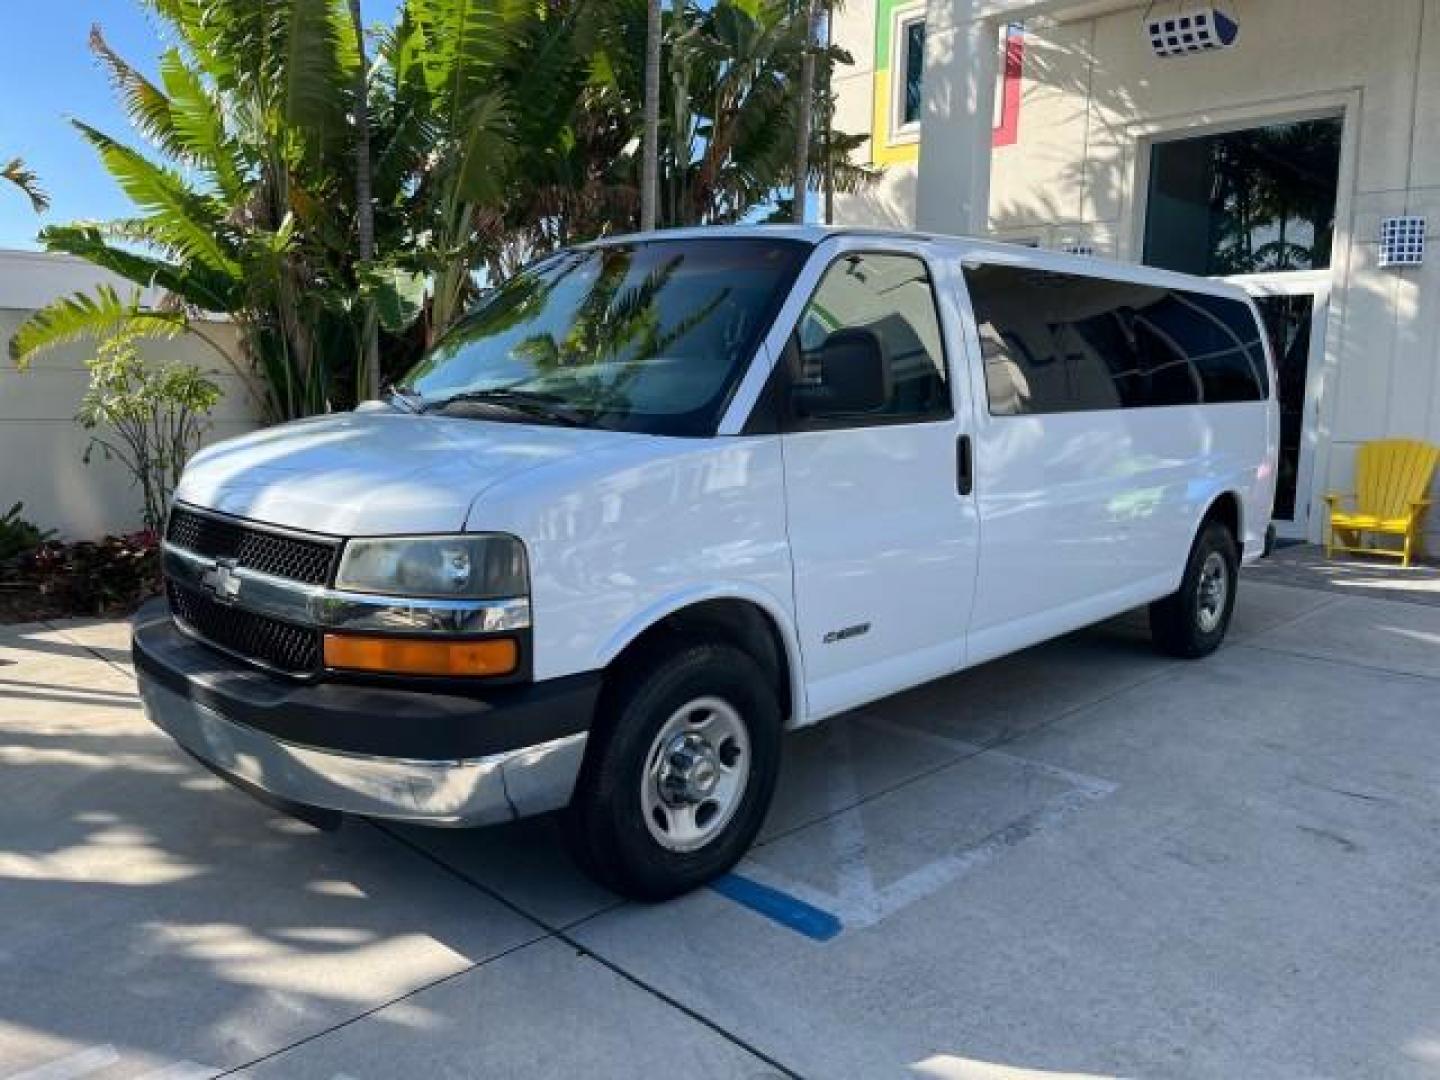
(1055, 343)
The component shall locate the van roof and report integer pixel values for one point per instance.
(967, 247)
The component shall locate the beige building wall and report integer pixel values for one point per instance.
(42, 448)
(891, 204)
(1094, 97)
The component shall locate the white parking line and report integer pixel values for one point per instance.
(858, 902)
(90, 1061)
(969, 749)
(183, 1070)
(81, 1063)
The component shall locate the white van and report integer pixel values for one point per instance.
(662, 497)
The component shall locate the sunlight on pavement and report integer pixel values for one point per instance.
(949, 1067)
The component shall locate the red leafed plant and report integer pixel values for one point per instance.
(94, 577)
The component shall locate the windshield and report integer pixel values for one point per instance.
(649, 337)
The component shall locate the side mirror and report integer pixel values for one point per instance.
(851, 377)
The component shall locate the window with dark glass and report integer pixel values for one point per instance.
(1056, 343)
(1245, 202)
(914, 64)
(876, 313)
(649, 336)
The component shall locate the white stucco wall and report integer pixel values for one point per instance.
(41, 446)
(1094, 96)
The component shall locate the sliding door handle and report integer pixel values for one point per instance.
(964, 466)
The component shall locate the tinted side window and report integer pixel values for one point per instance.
(874, 309)
(1071, 343)
(1234, 368)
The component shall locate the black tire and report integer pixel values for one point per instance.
(1182, 624)
(606, 821)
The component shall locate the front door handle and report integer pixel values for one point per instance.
(964, 466)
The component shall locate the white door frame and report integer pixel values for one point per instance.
(1317, 284)
(1141, 137)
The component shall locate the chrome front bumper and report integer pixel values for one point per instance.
(479, 791)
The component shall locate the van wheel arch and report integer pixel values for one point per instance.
(1227, 510)
(732, 621)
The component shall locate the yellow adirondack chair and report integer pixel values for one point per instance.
(1392, 477)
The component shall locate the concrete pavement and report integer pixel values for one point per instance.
(1084, 860)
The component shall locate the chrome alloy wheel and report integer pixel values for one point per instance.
(695, 774)
(1212, 592)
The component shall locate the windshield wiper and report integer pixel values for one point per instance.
(405, 397)
(518, 401)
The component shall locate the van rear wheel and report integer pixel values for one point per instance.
(679, 774)
(1193, 621)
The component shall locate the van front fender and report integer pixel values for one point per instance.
(774, 611)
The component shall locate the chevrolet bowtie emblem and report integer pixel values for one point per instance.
(222, 580)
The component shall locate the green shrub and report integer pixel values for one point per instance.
(17, 536)
(153, 414)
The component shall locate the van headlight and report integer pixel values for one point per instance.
(478, 566)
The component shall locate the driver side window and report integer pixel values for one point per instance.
(867, 349)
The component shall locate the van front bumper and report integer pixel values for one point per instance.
(436, 758)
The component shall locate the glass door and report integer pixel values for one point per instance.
(1258, 206)
(1294, 315)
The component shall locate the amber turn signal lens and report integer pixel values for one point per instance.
(408, 656)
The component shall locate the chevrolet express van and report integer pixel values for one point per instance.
(660, 498)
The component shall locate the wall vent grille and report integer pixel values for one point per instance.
(1197, 30)
(1402, 241)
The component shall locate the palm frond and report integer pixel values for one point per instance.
(195, 284)
(145, 103)
(483, 149)
(197, 127)
(83, 316)
(185, 219)
(464, 43)
(15, 172)
(318, 56)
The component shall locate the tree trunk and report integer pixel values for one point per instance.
(829, 114)
(803, 109)
(650, 138)
(364, 213)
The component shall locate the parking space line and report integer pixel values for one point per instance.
(1358, 665)
(777, 906)
(183, 1070)
(858, 902)
(81, 1063)
(845, 795)
(968, 750)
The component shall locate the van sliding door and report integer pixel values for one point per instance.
(1114, 413)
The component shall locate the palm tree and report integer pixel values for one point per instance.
(805, 95)
(247, 125)
(252, 207)
(732, 116)
(364, 204)
(650, 137)
(496, 131)
(16, 173)
(828, 93)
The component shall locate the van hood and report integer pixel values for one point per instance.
(376, 473)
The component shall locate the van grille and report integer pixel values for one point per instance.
(293, 649)
(278, 554)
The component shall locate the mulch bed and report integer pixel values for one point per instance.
(100, 578)
(25, 603)
(21, 603)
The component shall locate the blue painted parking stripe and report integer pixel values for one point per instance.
(779, 907)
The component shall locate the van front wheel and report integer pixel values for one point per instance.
(1192, 622)
(679, 774)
